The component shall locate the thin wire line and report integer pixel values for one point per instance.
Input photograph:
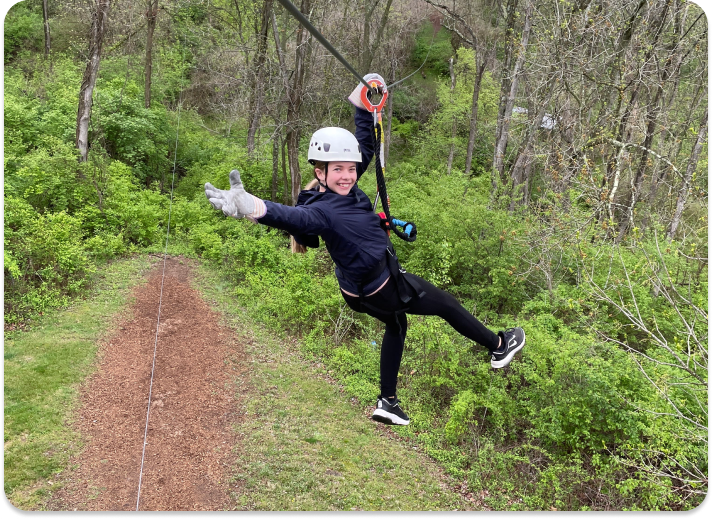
(160, 302)
(421, 66)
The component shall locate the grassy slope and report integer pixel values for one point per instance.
(303, 445)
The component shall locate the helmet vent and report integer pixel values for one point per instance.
(327, 146)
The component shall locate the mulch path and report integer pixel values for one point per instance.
(193, 407)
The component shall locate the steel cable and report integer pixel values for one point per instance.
(160, 302)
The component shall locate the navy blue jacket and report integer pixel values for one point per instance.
(350, 229)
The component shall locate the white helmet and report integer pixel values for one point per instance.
(333, 144)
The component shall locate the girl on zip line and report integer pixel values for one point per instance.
(367, 269)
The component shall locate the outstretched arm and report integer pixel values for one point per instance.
(238, 203)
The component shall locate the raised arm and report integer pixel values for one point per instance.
(364, 136)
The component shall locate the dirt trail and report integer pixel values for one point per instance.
(190, 436)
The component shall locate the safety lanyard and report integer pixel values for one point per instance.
(409, 231)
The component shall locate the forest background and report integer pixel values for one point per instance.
(553, 155)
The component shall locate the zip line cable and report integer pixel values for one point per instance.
(289, 6)
(160, 301)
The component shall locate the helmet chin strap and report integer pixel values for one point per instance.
(326, 170)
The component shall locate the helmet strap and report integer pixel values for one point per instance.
(326, 170)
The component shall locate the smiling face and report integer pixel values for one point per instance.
(340, 178)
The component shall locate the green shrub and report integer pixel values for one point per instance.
(48, 262)
(23, 29)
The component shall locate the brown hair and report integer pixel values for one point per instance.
(322, 166)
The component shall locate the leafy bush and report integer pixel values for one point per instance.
(23, 28)
(47, 260)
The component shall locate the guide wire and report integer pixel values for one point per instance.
(160, 301)
(432, 40)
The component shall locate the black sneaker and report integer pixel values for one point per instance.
(512, 341)
(389, 413)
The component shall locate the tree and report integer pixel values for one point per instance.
(510, 85)
(96, 40)
(258, 75)
(295, 94)
(151, 18)
(479, 32)
(368, 49)
(687, 180)
(45, 17)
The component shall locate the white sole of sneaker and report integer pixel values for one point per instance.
(388, 418)
(497, 364)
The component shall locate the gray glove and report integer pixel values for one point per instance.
(236, 202)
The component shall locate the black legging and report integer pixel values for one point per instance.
(434, 302)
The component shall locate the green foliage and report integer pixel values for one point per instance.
(131, 133)
(436, 46)
(48, 262)
(461, 243)
(455, 111)
(23, 28)
(49, 178)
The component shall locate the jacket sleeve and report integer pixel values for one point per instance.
(297, 220)
(364, 136)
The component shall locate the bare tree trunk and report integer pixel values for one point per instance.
(295, 105)
(369, 50)
(453, 133)
(524, 158)
(508, 101)
(98, 27)
(526, 182)
(685, 188)
(275, 166)
(699, 94)
(151, 18)
(473, 115)
(286, 194)
(45, 17)
(623, 129)
(652, 118)
(638, 181)
(258, 76)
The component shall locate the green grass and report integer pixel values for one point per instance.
(43, 370)
(305, 446)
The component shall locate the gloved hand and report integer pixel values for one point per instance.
(235, 202)
(355, 96)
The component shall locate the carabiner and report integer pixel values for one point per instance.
(375, 84)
